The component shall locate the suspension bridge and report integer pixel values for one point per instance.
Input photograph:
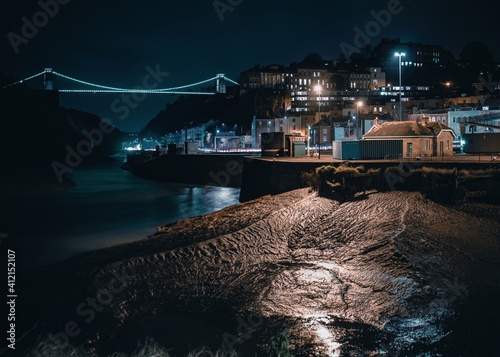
(53, 80)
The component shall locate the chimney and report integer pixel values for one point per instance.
(376, 121)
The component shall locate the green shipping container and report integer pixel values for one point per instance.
(350, 150)
(380, 149)
(368, 149)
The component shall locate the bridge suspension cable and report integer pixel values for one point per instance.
(24, 80)
(99, 88)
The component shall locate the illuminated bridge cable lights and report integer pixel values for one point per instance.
(127, 90)
(24, 80)
(230, 80)
(99, 88)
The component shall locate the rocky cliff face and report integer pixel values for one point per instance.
(37, 131)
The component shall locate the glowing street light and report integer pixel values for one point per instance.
(318, 89)
(400, 54)
(360, 127)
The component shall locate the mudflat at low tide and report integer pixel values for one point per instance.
(382, 274)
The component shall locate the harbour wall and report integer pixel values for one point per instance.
(262, 176)
(212, 170)
(258, 176)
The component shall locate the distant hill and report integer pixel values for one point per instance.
(36, 131)
(229, 108)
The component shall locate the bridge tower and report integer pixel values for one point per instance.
(48, 80)
(221, 84)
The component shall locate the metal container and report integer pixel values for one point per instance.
(350, 150)
(337, 150)
(482, 143)
(380, 149)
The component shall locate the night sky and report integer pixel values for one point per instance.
(111, 43)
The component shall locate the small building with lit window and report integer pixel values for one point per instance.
(418, 139)
(288, 125)
(321, 133)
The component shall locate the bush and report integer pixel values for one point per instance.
(310, 179)
(374, 171)
(427, 170)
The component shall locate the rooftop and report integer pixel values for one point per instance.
(399, 128)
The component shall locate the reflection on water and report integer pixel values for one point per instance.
(108, 206)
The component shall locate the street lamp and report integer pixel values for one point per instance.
(308, 139)
(358, 105)
(318, 89)
(215, 138)
(400, 54)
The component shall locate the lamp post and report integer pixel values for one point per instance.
(318, 89)
(399, 55)
(215, 138)
(360, 128)
(308, 129)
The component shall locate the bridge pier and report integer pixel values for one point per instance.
(48, 79)
(221, 84)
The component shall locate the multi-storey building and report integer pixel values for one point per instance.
(418, 57)
(465, 120)
(370, 79)
(268, 77)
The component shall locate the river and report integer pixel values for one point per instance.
(108, 206)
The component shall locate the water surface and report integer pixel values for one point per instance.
(107, 206)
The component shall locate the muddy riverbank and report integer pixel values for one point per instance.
(384, 273)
